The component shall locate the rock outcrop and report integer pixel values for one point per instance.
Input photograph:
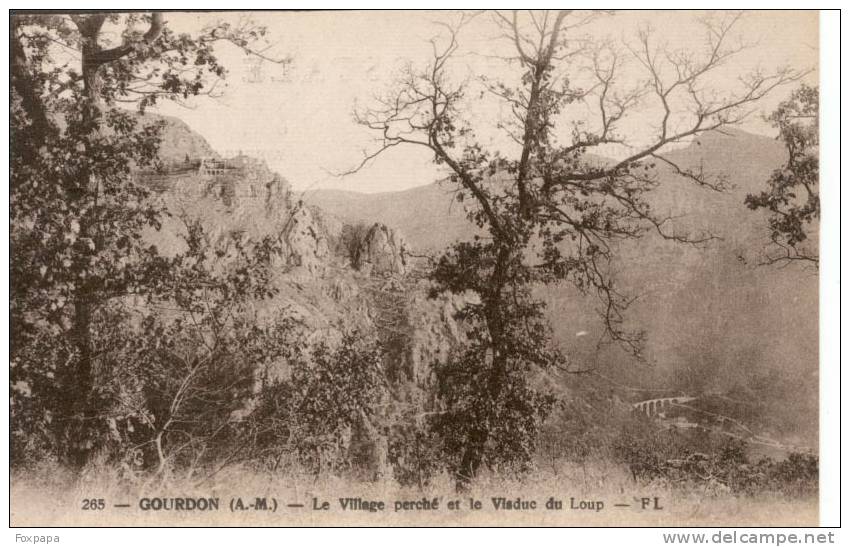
(383, 251)
(432, 333)
(305, 246)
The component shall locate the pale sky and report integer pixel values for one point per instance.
(300, 121)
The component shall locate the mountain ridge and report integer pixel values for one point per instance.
(416, 210)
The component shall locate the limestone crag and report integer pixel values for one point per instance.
(382, 251)
(305, 244)
(319, 283)
(432, 333)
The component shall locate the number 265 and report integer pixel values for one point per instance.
(92, 504)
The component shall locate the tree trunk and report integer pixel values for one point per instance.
(473, 454)
(471, 461)
(28, 89)
(83, 405)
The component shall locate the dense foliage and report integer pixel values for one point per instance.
(311, 417)
(792, 197)
(698, 459)
(78, 216)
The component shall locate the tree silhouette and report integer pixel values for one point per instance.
(792, 197)
(551, 212)
(77, 213)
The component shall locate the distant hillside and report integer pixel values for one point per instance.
(744, 158)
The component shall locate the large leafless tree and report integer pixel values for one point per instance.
(549, 211)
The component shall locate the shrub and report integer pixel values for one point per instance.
(701, 458)
(351, 240)
(328, 396)
(414, 452)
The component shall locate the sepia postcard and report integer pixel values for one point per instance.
(414, 268)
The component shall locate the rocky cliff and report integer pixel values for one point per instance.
(382, 251)
(326, 284)
(375, 290)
